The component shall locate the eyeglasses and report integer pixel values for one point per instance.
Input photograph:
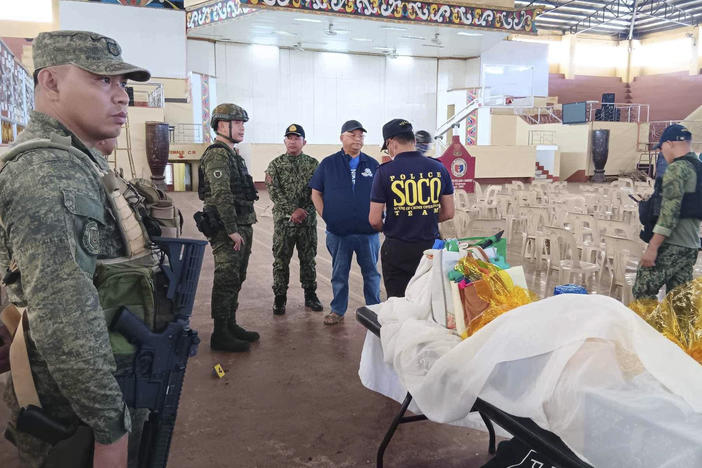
(356, 137)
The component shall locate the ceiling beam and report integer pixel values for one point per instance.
(666, 11)
(633, 20)
(615, 8)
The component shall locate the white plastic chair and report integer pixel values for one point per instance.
(627, 254)
(563, 257)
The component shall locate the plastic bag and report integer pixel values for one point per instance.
(486, 293)
(678, 317)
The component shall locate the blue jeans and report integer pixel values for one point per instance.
(341, 249)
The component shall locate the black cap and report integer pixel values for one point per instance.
(351, 125)
(393, 128)
(295, 129)
(422, 136)
(675, 132)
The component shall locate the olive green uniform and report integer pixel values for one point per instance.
(287, 182)
(678, 253)
(228, 189)
(56, 223)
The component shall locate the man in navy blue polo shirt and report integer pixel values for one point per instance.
(341, 188)
(416, 194)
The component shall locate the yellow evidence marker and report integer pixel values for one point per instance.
(218, 370)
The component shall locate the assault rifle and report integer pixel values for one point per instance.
(156, 378)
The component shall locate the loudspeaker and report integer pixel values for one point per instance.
(130, 93)
(608, 98)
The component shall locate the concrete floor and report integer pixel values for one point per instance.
(295, 400)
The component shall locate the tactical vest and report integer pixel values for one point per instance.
(244, 194)
(132, 280)
(691, 206)
(692, 202)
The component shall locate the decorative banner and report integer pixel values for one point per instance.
(472, 119)
(421, 12)
(215, 13)
(205, 94)
(460, 164)
(168, 4)
(16, 92)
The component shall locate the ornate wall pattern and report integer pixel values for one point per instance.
(215, 13)
(205, 94)
(166, 4)
(472, 120)
(422, 12)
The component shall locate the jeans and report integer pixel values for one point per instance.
(341, 249)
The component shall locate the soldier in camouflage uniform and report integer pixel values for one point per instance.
(287, 179)
(229, 194)
(672, 251)
(55, 224)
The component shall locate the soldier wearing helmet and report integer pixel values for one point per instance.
(228, 193)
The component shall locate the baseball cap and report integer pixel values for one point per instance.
(675, 132)
(395, 127)
(422, 136)
(351, 125)
(86, 50)
(295, 129)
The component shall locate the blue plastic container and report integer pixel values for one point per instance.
(569, 289)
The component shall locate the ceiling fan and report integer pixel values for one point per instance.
(435, 42)
(331, 31)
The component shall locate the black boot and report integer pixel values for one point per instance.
(238, 332)
(312, 301)
(279, 304)
(223, 340)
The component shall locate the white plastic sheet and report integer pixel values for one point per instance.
(584, 367)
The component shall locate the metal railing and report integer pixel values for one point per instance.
(656, 127)
(539, 115)
(186, 133)
(618, 112)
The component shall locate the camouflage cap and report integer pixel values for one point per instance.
(87, 50)
(226, 112)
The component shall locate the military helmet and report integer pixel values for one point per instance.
(422, 136)
(227, 112)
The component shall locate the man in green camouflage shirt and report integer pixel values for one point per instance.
(229, 194)
(287, 179)
(55, 223)
(672, 251)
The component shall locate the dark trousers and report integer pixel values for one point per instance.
(400, 260)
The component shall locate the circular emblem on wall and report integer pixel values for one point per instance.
(459, 167)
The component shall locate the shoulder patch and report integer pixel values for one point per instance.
(217, 174)
(91, 237)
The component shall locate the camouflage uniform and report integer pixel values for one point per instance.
(678, 253)
(225, 175)
(49, 202)
(55, 222)
(287, 181)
